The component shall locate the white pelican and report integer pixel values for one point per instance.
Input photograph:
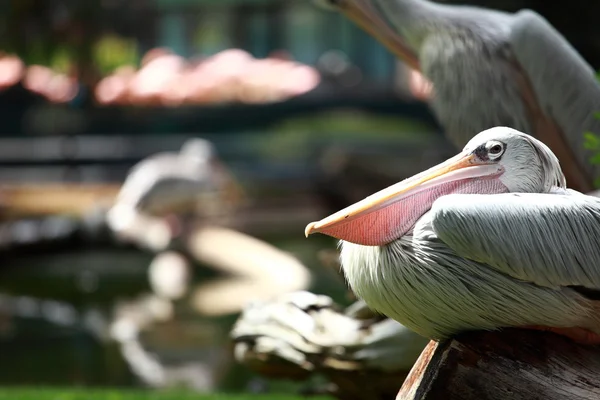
(163, 185)
(491, 68)
(490, 238)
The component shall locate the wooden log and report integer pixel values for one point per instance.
(262, 217)
(75, 199)
(510, 364)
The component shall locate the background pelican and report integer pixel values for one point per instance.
(192, 181)
(179, 205)
(488, 239)
(174, 181)
(491, 68)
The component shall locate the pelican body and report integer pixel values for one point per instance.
(163, 190)
(490, 238)
(168, 182)
(490, 68)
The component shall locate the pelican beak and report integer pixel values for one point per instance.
(392, 212)
(362, 13)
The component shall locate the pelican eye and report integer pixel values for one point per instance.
(495, 149)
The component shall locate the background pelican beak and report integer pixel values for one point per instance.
(391, 212)
(364, 14)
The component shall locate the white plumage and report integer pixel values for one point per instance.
(524, 252)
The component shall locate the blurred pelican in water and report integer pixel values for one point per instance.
(185, 197)
(192, 181)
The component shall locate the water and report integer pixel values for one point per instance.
(46, 338)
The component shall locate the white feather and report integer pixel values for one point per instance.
(484, 261)
(564, 83)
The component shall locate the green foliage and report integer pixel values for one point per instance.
(292, 137)
(77, 39)
(62, 60)
(591, 141)
(111, 52)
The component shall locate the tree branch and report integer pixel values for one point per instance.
(512, 364)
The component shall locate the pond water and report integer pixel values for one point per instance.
(38, 346)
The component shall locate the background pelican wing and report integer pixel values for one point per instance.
(164, 178)
(551, 240)
(574, 95)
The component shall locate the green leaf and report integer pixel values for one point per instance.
(597, 115)
(595, 159)
(591, 141)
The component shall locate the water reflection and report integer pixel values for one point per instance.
(120, 333)
(159, 309)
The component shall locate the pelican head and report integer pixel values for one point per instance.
(497, 160)
(198, 148)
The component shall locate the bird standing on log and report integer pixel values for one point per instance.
(490, 238)
(490, 68)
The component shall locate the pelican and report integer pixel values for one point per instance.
(182, 200)
(168, 181)
(166, 184)
(490, 238)
(490, 68)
